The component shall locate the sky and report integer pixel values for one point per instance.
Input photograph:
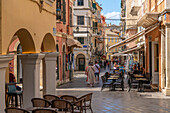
(111, 9)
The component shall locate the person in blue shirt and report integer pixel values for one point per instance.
(121, 69)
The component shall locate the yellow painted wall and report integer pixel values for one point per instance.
(26, 14)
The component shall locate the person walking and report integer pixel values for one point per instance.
(86, 73)
(90, 73)
(114, 67)
(97, 70)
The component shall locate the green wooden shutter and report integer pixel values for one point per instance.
(64, 12)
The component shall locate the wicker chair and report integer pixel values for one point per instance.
(15, 110)
(87, 101)
(69, 98)
(39, 102)
(78, 105)
(63, 105)
(50, 97)
(44, 111)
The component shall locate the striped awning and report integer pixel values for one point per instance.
(134, 37)
(124, 53)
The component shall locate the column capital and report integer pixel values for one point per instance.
(167, 91)
(4, 60)
(167, 24)
(52, 56)
(31, 58)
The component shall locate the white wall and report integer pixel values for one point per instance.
(167, 4)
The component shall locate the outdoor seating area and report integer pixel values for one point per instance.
(139, 81)
(57, 104)
(135, 81)
(113, 81)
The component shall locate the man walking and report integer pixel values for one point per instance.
(97, 70)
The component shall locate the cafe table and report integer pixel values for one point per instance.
(138, 76)
(113, 78)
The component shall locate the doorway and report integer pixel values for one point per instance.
(81, 62)
(155, 63)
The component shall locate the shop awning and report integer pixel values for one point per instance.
(124, 53)
(134, 37)
(119, 54)
(73, 43)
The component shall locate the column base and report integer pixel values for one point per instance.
(167, 91)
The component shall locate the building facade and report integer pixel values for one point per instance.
(83, 11)
(152, 38)
(112, 37)
(25, 40)
(64, 34)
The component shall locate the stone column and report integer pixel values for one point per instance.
(162, 60)
(31, 77)
(167, 88)
(49, 73)
(4, 60)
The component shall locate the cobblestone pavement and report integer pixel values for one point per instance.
(116, 101)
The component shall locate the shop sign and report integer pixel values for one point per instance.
(54, 31)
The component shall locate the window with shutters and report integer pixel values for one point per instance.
(58, 10)
(81, 39)
(95, 29)
(61, 10)
(80, 2)
(64, 12)
(71, 18)
(80, 20)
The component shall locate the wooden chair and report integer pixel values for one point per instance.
(44, 111)
(106, 83)
(50, 97)
(69, 98)
(87, 102)
(146, 83)
(15, 110)
(39, 102)
(119, 83)
(63, 105)
(132, 82)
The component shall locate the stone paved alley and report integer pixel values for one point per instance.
(116, 101)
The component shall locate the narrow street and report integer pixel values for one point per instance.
(116, 101)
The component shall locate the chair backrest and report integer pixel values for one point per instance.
(69, 98)
(62, 105)
(147, 76)
(39, 102)
(79, 103)
(50, 97)
(88, 98)
(44, 111)
(15, 110)
(103, 79)
(11, 88)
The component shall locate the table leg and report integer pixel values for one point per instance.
(139, 86)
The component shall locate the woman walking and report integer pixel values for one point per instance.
(90, 72)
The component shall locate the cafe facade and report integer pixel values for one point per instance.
(153, 20)
(27, 34)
